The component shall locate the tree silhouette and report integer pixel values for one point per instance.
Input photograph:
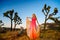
(46, 10)
(17, 20)
(55, 19)
(1, 23)
(9, 14)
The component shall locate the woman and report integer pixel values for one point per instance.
(32, 30)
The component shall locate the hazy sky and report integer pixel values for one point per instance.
(26, 8)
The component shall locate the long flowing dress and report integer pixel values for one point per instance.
(33, 33)
(32, 29)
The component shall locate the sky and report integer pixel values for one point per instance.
(26, 8)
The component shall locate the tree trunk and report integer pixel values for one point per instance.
(45, 23)
(11, 23)
(14, 26)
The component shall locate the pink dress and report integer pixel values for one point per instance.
(33, 27)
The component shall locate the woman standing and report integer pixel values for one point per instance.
(32, 29)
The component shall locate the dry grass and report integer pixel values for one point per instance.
(48, 35)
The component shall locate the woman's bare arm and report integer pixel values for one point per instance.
(37, 22)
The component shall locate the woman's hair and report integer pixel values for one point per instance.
(33, 15)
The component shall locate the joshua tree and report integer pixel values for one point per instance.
(46, 10)
(9, 14)
(17, 20)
